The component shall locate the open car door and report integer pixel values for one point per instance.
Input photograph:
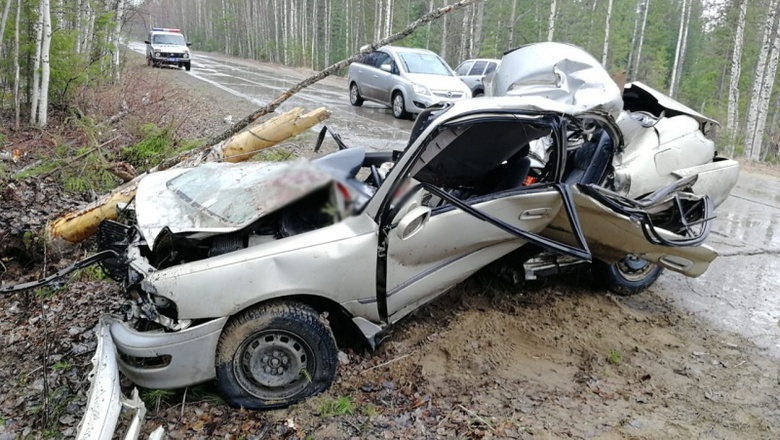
(467, 196)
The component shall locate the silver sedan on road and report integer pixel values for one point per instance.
(408, 80)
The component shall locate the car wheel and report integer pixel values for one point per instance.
(399, 106)
(187, 67)
(478, 93)
(629, 276)
(274, 355)
(354, 95)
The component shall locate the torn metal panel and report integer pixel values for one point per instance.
(105, 400)
(560, 73)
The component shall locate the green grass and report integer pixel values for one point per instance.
(615, 357)
(154, 398)
(341, 406)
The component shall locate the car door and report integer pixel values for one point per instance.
(384, 80)
(462, 204)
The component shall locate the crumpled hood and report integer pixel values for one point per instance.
(217, 198)
(557, 72)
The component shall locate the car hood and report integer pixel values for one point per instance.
(216, 198)
(558, 72)
(438, 82)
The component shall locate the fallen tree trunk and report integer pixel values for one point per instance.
(77, 226)
(82, 224)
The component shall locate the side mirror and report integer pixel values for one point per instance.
(413, 222)
(189, 44)
(387, 67)
(147, 42)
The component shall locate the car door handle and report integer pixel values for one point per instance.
(534, 214)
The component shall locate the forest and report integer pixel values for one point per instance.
(718, 56)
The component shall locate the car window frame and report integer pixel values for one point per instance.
(470, 63)
(480, 72)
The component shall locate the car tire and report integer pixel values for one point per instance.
(354, 95)
(187, 67)
(399, 106)
(629, 276)
(274, 355)
(478, 93)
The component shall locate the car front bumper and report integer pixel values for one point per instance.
(418, 102)
(105, 400)
(171, 61)
(165, 360)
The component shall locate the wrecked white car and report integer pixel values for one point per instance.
(243, 273)
(231, 270)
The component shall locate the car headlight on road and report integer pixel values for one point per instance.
(420, 89)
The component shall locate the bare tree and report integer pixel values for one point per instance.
(551, 21)
(758, 83)
(2, 24)
(675, 67)
(120, 12)
(732, 122)
(606, 35)
(16, 65)
(635, 70)
(43, 104)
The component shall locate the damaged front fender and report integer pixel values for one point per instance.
(105, 400)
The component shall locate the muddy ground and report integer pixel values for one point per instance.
(487, 360)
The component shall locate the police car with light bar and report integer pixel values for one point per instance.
(167, 47)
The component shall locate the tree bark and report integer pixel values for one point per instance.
(758, 80)
(765, 96)
(675, 66)
(120, 12)
(635, 70)
(36, 86)
(43, 104)
(732, 121)
(634, 35)
(16, 66)
(551, 21)
(606, 35)
(2, 24)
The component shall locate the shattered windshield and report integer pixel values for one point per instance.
(237, 194)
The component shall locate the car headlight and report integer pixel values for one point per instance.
(186, 55)
(157, 52)
(420, 89)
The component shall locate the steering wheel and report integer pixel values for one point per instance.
(375, 176)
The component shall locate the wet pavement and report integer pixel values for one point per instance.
(740, 290)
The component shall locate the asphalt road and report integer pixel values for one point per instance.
(740, 292)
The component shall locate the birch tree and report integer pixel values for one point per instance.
(551, 22)
(120, 12)
(672, 81)
(35, 90)
(2, 24)
(758, 81)
(43, 104)
(765, 95)
(16, 65)
(732, 121)
(635, 69)
(606, 35)
(634, 35)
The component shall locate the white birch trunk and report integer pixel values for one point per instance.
(635, 70)
(758, 78)
(36, 85)
(511, 38)
(551, 22)
(606, 35)
(634, 36)
(43, 104)
(90, 28)
(444, 19)
(389, 19)
(79, 25)
(732, 121)
(16, 65)
(476, 41)
(684, 48)
(120, 12)
(675, 66)
(464, 35)
(765, 96)
(2, 24)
